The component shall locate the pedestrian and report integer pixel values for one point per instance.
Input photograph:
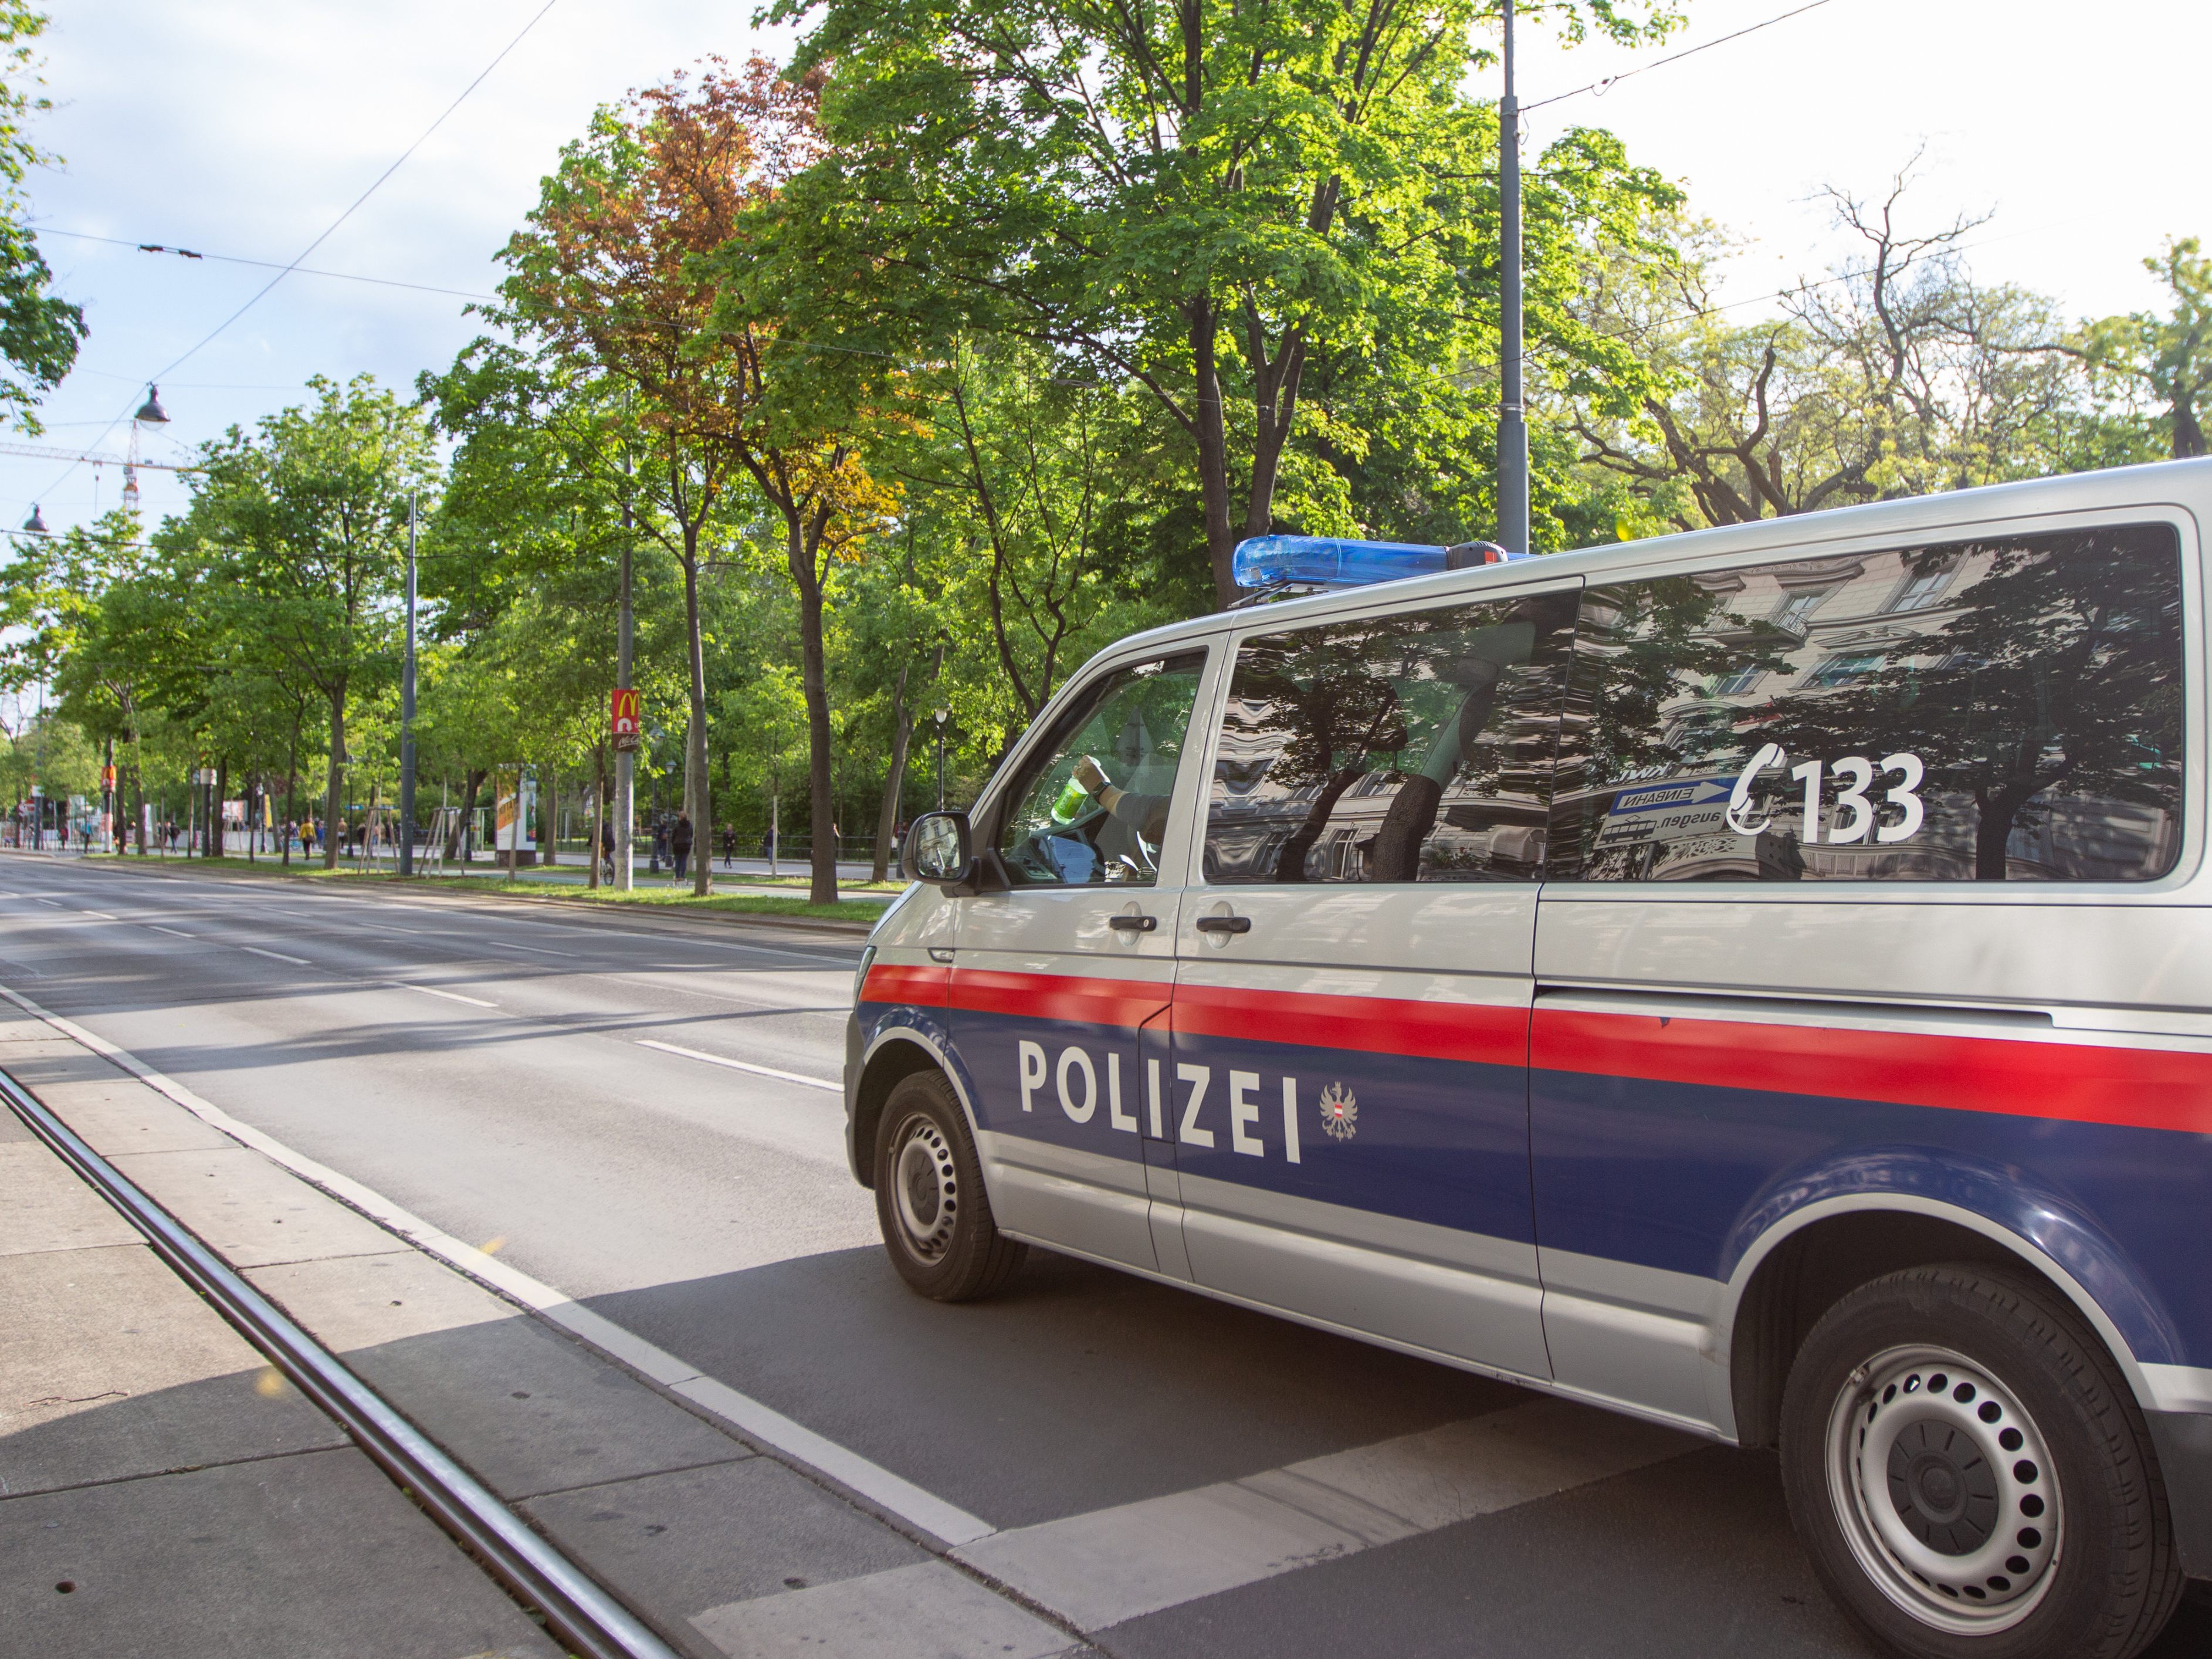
(679, 842)
(659, 843)
(729, 846)
(607, 848)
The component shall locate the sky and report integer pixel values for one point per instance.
(246, 128)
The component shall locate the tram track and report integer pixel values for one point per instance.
(590, 1621)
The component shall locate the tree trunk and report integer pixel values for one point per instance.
(292, 782)
(334, 787)
(2188, 435)
(458, 827)
(215, 809)
(549, 815)
(1213, 450)
(1291, 862)
(702, 829)
(822, 889)
(598, 815)
(893, 782)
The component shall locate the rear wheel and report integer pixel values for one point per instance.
(930, 1202)
(1972, 1478)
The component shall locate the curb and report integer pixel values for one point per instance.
(842, 930)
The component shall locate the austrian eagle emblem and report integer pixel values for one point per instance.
(1340, 1112)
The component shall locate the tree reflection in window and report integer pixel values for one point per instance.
(2042, 696)
(1412, 747)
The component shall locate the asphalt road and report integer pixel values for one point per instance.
(489, 1071)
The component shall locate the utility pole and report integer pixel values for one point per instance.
(407, 714)
(625, 759)
(1512, 417)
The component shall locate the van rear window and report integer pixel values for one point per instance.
(1414, 747)
(2000, 710)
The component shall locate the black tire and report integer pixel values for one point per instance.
(1970, 1473)
(930, 1202)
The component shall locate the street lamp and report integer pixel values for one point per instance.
(942, 715)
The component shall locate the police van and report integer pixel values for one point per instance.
(1758, 980)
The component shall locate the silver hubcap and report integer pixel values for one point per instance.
(925, 1189)
(1945, 1490)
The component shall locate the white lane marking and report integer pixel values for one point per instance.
(741, 1065)
(57, 903)
(929, 1608)
(535, 951)
(1118, 1564)
(102, 914)
(450, 996)
(762, 1423)
(277, 955)
(158, 928)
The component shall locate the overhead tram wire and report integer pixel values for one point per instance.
(294, 268)
(263, 293)
(1606, 83)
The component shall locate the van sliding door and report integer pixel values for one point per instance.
(1349, 1112)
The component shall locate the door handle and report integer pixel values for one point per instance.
(1224, 924)
(1132, 924)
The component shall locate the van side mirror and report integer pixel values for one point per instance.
(936, 849)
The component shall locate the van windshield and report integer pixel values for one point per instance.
(1092, 806)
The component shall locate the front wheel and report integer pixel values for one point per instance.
(1970, 1475)
(930, 1202)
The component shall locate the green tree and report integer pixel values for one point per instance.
(1897, 375)
(38, 332)
(2168, 357)
(297, 532)
(1216, 201)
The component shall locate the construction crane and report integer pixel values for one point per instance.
(46, 452)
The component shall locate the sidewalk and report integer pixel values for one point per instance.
(163, 1491)
(241, 1521)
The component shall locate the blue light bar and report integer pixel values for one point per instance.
(1335, 561)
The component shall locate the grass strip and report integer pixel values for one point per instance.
(670, 898)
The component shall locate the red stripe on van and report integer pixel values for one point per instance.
(917, 988)
(1485, 1033)
(2139, 1088)
(1124, 1002)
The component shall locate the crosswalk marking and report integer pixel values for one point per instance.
(928, 1609)
(1102, 1568)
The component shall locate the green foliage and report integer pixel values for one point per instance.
(38, 332)
(1228, 206)
(2168, 357)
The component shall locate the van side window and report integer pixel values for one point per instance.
(2000, 710)
(1092, 804)
(1416, 746)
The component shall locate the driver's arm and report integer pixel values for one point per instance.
(1147, 814)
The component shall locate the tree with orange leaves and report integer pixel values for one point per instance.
(622, 271)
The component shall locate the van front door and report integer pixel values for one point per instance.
(1053, 977)
(1351, 1006)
